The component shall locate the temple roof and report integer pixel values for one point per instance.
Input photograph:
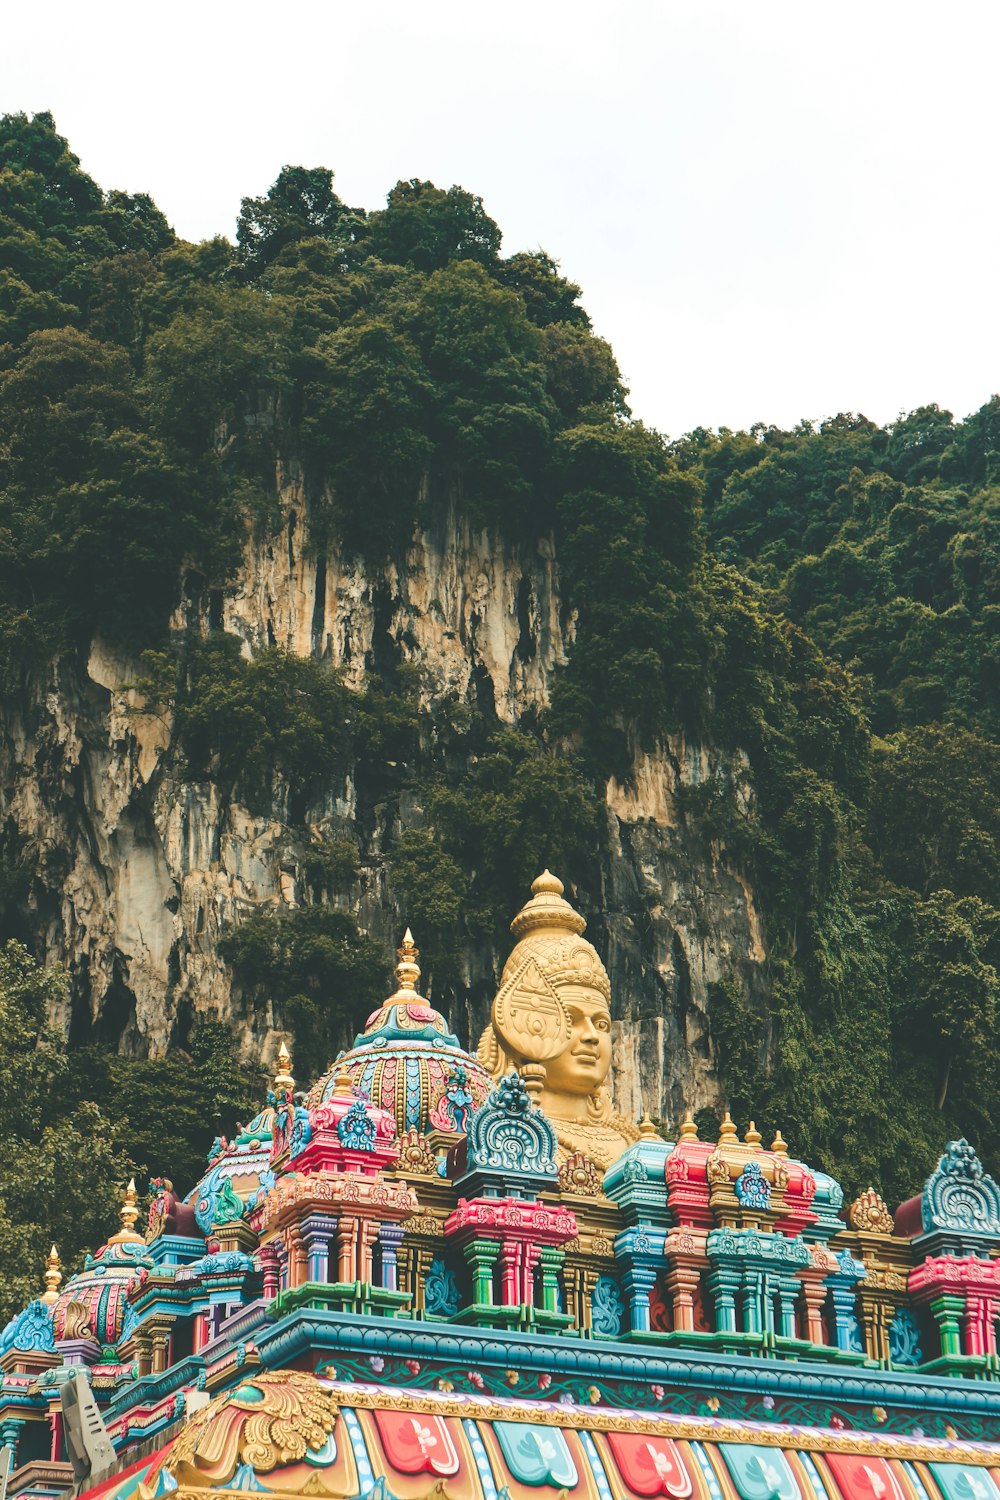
(407, 1061)
(292, 1433)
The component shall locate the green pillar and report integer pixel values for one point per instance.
(788, 1291)
(10, 1432)
(481, 1256)
(947, 1310)
(723, 1283)
(550, 1259)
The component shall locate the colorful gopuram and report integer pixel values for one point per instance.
(469, 1277)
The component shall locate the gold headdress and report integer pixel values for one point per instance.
(530, 1021)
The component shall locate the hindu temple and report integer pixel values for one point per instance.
(467, 1276)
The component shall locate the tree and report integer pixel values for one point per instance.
(427, 227)
(301, 204)
(61, 1164)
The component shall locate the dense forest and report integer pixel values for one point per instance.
(823, 602)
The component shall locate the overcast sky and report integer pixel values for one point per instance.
(776, 210)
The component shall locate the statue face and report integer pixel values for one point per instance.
(583, 1065)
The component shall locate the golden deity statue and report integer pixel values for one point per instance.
(551, 1021)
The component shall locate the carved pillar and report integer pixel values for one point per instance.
(638, 1280)
(270, 1269)
(390, 1238)
(947, 1311)
(682, 1283)
(347, 1250)
(788, 1291)
(144, 1353)
(281, 1254)
(368, 1233)
(512, 1273)
(813, 1293)
(551, 1259)
(10, 1434)
(55, 1450)
(981, 1324)
(755, 1306)
(297, 1269)
(723, 1284)
(843, 1303)
(160, 1340)
(482, 1256)
(317, 1232)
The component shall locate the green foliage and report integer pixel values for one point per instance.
(426, 227)
(240, 719)
(822, 604)
(61, 1188)
(517, 808)
(61, 1164)
(314, 968)
(174, 1106)
(75, 1126)
(301, 205)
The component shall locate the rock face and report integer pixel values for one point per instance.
(138, 871)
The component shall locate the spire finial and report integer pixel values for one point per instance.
(647, 1130)
(547, 910)
(53, 1276)
(343, 1087)
(779, 1145)
(407, 969)
(128, 1213)
(688, 1130)
(753, 1137)
(283, 1083)
(727, 1130)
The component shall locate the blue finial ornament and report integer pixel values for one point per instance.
(356, 1129)
(511, 1145)
(960, 1197)
(29, 1331)
(752, 1188)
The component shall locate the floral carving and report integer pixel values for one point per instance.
(416, 1155)
(579, 1175)
(273, 1419)
(869, 1214)
(960, 1196)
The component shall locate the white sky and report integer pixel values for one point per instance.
(775, 210)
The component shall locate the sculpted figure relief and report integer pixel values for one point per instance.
(551, 1020)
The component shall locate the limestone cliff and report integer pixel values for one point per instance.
(138, 870)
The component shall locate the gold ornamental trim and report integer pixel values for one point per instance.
(696, 1429)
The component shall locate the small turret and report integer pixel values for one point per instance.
(53, 1277)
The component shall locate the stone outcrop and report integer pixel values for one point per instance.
(138, 870)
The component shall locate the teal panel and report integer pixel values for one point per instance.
(960, 1482)
(763, 1473)
(536, 1455)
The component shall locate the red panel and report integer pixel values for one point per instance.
(417, 1444)
(650, 1465)
(861, 1478)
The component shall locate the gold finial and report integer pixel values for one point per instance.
(128, 1213)
(547, 909)
(53, 1276)
(647, 1130)
(284, 1083)
(688, 1130)
(779, 1145)
(727, 1130)
(342, 1086)
(407, 969)
(752, 1137)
